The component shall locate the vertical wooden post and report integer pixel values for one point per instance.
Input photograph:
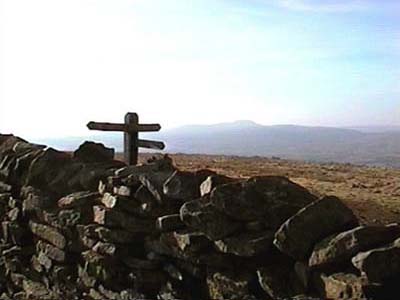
(131, 143)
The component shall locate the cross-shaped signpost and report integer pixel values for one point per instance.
(131, 129)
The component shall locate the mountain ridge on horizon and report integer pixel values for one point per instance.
(248, 123)
(251, 123)
(368, 145)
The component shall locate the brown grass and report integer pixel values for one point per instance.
(373, 193)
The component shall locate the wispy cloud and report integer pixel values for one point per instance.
(338, 6)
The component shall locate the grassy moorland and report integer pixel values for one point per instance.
(373, 193)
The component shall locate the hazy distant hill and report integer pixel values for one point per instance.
(377, 129)
(246, 138)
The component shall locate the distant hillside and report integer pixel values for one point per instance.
(375, 129)
(246, 138)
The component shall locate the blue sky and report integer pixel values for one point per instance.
(332, 62)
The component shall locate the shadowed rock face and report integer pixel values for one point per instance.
(185, 185)
(340, 285)
(247, 244)
(379, 264)
(203, 216)
(55, 172)
(271, 199)
(342, 247)
(90, 152)
(8, 141)
(298, 235)
(88, 227)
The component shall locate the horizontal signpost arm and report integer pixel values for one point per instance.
(151, 144)
(103, 126)
(147, 127)
(106, 126)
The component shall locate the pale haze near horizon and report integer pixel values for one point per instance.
(64, 63)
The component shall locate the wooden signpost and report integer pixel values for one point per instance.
(131, 129)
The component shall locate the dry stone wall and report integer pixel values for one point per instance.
(84, 226)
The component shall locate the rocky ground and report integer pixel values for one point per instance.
(373, 193)
(84, 226)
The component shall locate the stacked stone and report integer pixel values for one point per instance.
(227, 231)
(337, 258)
(16, 240)
(261, 238)
(40, 244)
(57, 243)
(86, 227)
(14, 247)
(131, 202)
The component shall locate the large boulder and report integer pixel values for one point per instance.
(91, 152)
(298, 235)
(271, 199)
(202, 216)
(342, 247)
(379, 264)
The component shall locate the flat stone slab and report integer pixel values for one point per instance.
(298, 235)
(342, 247)
(49, 234)
(379, 264)
(202, 216)
(247, 244)
(272, 199)
(78, 199)
(185, 185)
